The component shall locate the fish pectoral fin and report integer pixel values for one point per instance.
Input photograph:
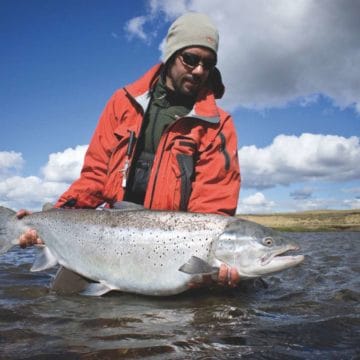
(197, 266)
(44, 260)
(96, 289)
(68, 282)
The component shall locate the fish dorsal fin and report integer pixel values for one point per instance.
(44, 260)
(47, 206)
(127, 205)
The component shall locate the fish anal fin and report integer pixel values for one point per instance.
(96, 289)
(44, 260)
(68, 282)
(197, 266)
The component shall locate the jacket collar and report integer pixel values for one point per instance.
(205, 107)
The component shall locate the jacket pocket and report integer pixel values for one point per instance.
(184, 152)
(224, 151)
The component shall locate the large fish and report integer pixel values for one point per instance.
(148, 252)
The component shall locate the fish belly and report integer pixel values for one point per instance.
(145, 262)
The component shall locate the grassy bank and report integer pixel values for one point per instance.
(322, 220)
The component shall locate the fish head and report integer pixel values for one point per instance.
(255, 250)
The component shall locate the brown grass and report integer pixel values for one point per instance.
(321, 220)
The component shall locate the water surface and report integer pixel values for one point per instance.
(308, 312)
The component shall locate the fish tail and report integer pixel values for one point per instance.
(6, 238)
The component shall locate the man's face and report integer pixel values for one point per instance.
(190, 70)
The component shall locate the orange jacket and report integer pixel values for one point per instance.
(195, 166)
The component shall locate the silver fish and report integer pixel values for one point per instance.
(148, 252)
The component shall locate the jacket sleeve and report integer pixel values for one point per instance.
(217, 185)
(87, 191)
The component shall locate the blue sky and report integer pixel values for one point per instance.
(292, 85)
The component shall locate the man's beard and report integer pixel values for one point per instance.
(187, 86)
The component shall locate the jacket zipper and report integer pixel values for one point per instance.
(129, 150)
(133, 140)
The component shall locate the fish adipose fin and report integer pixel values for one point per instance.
(96, 289)
(44, 260)
(68, 282)
(197, 266)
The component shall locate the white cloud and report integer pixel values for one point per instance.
(354, 190)
(10, 161)
(291, 159)
(32, 192)
(29, 192)
(135, 27)
(65, 166)
(170, 8)
(315, 204)
(352, 204)
(256, 199)
(276, 51)
(255, 203)
(287, 160)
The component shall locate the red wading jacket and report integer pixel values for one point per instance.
(195, 167)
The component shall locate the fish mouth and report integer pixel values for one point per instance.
(282, 258)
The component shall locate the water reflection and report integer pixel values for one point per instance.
(308, 312)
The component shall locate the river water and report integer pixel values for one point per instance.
(308, 312)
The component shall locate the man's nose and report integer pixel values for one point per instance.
(199, 69)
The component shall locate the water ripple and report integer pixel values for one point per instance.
(308, 312)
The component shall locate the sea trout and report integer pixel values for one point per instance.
(148, 252)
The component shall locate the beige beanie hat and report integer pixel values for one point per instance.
(191, 29)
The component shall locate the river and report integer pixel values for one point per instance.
(308, 312)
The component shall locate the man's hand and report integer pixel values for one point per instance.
(29, 237)
(227, 276)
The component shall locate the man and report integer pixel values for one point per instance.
(162, 141)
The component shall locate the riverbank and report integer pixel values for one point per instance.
(321, 220)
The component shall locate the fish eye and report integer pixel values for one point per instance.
(268, 241)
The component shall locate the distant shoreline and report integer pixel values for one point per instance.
(320, 220)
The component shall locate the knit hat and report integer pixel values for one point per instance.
(191, 29)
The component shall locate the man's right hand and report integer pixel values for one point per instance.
(29, 237)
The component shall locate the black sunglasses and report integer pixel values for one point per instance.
(192, 61)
